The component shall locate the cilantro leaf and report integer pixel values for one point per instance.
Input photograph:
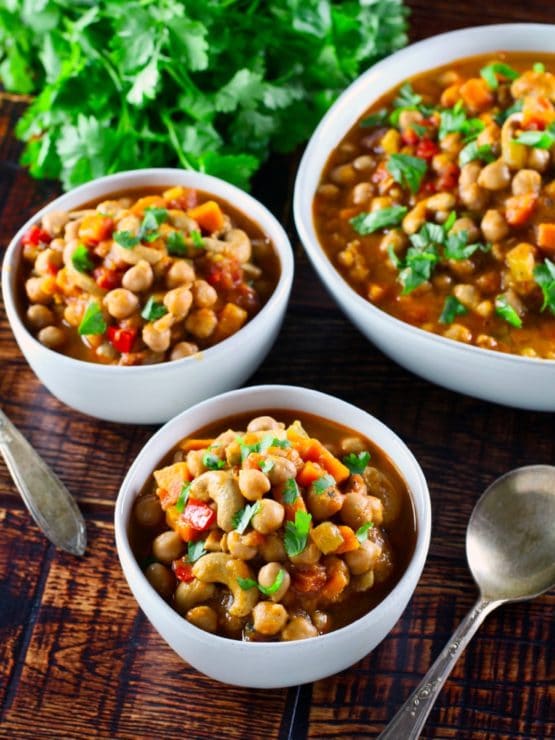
(296, 533)
(275, 586)
(454, 120)
(451, 308)
(407, 97)
(266, 466)
(367, 223)
(407, 170)
(153, 310)
(195, 550)
(379, 118)
(489, 74)
(537, 139)
(473, 151)
(126, 239)
(175, 243)
(247, 449)
(81, 259)
(357, 462)
(183, 497)
(212, 461)
(362, 532)
(456, 247)
(152, 219)
(246, 583)
(544, 275)
(196, 238)
(241, 518)
(504, 309)
(270, 441)
(290, 491)
(93, 321)
(322, 484)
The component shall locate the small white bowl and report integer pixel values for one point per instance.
(150, 394)
(272, 665)
(512, 380)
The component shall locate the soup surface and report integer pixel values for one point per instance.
(271, 528)
(439, 204)
(145, 276)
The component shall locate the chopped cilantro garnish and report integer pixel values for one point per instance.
(473, 151)
(296, 533)
(544, 275)
(451, 218)
(456, 247)
(362, 532)
(266, 466)
(126, 239)
(152, 219)
(81, 259)
(454, 120)
(196, 238)
(270, 441)
(502, 116)
(322, 484)
(183, 497)
(212, 461)
(367, 223)
(451, 308)
(241, 518)
(375, 119)
(175, 243)
(539, 67)
(153, 310)
(490, 72)
(290, 491)
(407, 170)
(357, 462)
(247, 583)
(538, 139)
(504, 309)
(247, 449)
(195, 550)
(406, 97)
(93, 321)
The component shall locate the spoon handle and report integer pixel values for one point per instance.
(409, 720)
(49, 502)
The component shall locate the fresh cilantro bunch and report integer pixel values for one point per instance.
(213, 85)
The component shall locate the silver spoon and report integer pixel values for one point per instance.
(49, 502)
(510, 548)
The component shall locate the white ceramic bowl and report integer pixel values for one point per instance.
(272, 665)
(153, 393)
(508, 379)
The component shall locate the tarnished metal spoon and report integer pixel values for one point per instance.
(510, 548)
(49, 502)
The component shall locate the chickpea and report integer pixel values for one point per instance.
(309, 556)
(180, 273)
(272, 548)
(121, 303)
(201, 322)
(204, 295)
(362, 192)
(538, 159)
(194, 462)
(147, 511)
(52, 336)
(158, 341)
(178, 302)
(493, 225)
(54, 222)
(526, 181)
(382, 201)
(269, 516)
(364, 558)
(344, 174)
(46, 260)
(467, 294)
(458, 332)
(238, 548)
(363, 162)
(267, 576)
(35, 293)
(328, 191)
(440, 202)
(203, 617)
(353, 444)
(451, 144)
(39, 316)
(282, 470)
(269, 618)
(167, 547)
(263, 424)
(253, 484)
(358, 509)
(415, 218)
(161, 579)
(73, 313)
(471, 194)
(72, 230)
(321, 620)
(183, 349)
(495, 176)
(299, 628)
(323, 505)
(139, 277)
(130, 222)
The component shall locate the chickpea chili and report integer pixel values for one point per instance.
(439, 205)
(282, 530)
(145, 277)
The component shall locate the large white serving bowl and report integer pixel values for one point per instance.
(272, 665)
(513, 380)
(153, 393)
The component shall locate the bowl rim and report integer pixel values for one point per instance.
(128, 561)
(212, 186)
(313, 159)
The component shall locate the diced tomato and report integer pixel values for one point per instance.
(107, 279)
(35, 236)
(246, 297)
(121, 339)
(449, 178)
(182, 198)
(95, 228)
(53, 269)
(198, 515)
(380, 173)
(426, 148)
(409, 137)
(225, 274)
(428, 187)
(183, 570)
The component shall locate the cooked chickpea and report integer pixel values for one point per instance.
(538, 159)
(121, 303)
(39, 316)
(352, 444)
(493, 225)
(263, 424)
(201, 323)
(183, 349)
(147, 511)
(253, 484)
(299, 628)
(167, 547)
(269, 618)
(161, 579)
(344, 174)
(54, 222)
(309, 556)
(321, 620)
(526, 181)
(203, 617)
(362, 192)
(272, 548)
(52, 336)
(282, 470)
(180, 273)
(204, 295)
(35, 292)
(495, 176)
(47, 260)
(467, 294)
(324, 505)
(358, 509)
(238, 548)
(458, 332)
(364, 558)
(268, 517)
(158, 341)
(178, 302)
(139, 277)
(267, 576)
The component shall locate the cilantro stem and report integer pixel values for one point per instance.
(175, 142)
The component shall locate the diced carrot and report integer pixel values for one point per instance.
(476, 94)
(350, 541)
(537, 112)
(170, 480)
(546, 237)
(309, 473)
(336, 582)
(308, 578)
(149, 201)
(180, 197)
(195, 444)
(519, 208)
(314, 451)
(209, 216)
(95, 228)
(290, 509)
(450, 95)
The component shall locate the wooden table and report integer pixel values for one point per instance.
(79, 660)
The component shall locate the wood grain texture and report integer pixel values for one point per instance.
(77, 657)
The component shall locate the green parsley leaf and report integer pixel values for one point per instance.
(126, 239)
(451, 308)
(290, 491)
(212, 461)
(266, 466)
(183, 497)
(241, 518)
(454, 120)
(93, 321)
(362, 532)
(406, 97)
(539, 67)
(81, 259)
(153, 310)
(490, 72)
(456, 247)
(504, 309)
(544, 275)
(152, 219)
(407, 170)
(379, 118)
(537, 139)
(502, 116)
(473, 151)
(175, 243)
(357, 462)
(195, 550)
(322, 484)
(247, 583)
(368, 222)
(451, 218)
(196, 238)
(270, 441)
(247, 449)
(275, 586)
(296, 533)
